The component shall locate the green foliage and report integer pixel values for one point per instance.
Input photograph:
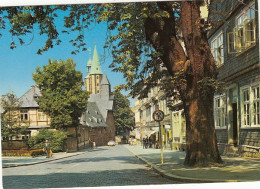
(12, 125)
(132, 52)
(208, 86)
(63, 98)
(55, 137)
(124, 117)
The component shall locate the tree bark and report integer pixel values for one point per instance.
(198, 64)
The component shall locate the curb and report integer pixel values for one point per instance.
(45, 161)
(176, 177)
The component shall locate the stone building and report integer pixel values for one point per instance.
(235, 47)
(99, 117)
(144, 123)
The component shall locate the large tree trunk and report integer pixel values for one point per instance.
(201, 144)
(201, 140)
(199, 67)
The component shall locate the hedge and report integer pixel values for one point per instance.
(22, 152)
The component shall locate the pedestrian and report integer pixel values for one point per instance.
(143, 143)
(47, 148)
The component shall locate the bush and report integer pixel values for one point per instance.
(55, 137)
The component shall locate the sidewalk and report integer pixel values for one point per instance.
(233, 170)
(23, 161)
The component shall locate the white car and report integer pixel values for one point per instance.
(111, 143)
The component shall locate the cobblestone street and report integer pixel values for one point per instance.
(106, 166)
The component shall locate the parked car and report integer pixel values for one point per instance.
(111, 143)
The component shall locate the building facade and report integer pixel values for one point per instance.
(235, 47)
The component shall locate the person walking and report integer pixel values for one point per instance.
(47, 148)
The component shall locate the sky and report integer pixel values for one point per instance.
(17, 65)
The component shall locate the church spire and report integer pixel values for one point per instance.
(95, 67)
(89, 64)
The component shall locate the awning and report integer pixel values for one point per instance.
(151, 133)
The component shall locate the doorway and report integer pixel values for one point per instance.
(235, 135)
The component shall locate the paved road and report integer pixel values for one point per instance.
(107, 166)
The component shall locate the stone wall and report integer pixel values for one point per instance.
(13, 145)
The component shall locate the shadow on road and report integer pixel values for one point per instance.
(121, 177)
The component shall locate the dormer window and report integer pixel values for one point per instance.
(35, 96)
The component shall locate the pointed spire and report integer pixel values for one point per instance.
(104, 80)
(89, 63)
(95, 67)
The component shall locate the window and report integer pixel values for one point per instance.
(148, 113)
(183, 125)
(217, 49)
(41, 116)
(245, 107)
(243, 35)
(250, 105)
(256, 106)
(24, 115)
(220, 110)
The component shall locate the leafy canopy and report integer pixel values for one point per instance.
(133, 54)
(63, 98)
(124, 117)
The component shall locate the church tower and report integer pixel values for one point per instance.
(94, 74)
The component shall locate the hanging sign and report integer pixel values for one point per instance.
(158, 115)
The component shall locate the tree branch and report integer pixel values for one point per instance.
(161, 32)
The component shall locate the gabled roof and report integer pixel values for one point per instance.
(93, 116)
(104, 80)
(95, 67)
(103, 104)
(29, 98)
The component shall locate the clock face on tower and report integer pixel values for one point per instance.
(158, 115)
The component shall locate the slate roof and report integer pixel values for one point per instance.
(104, 80)
(29, 98)
(93, 117)
(103, 104)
